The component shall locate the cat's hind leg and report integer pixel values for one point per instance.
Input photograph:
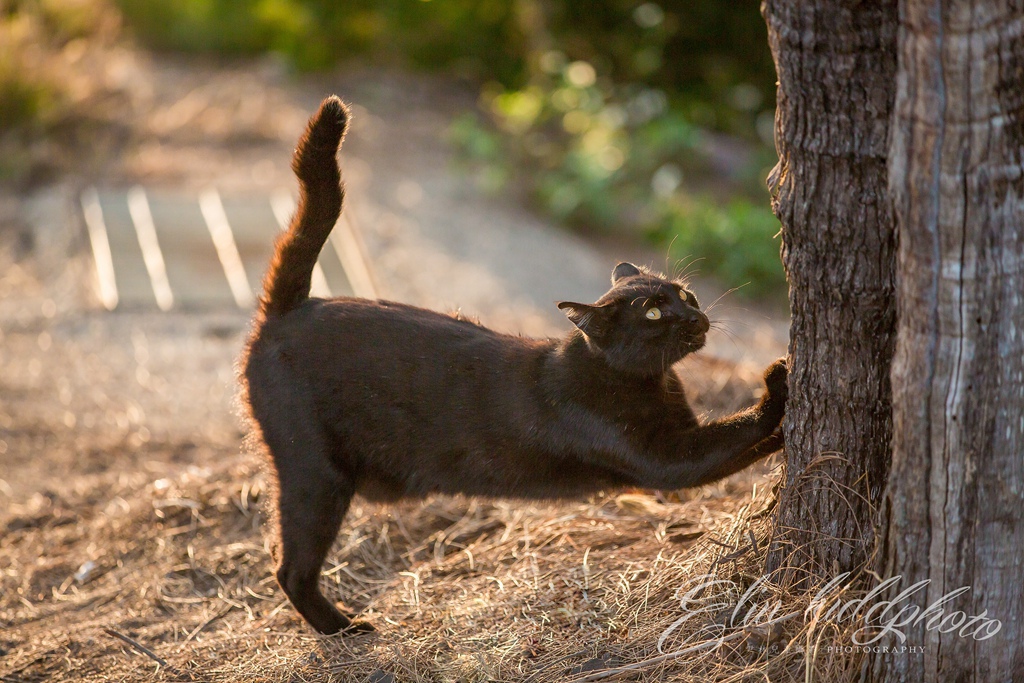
(313, 495)
(312, 501)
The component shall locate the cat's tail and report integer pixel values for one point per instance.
(321, 192)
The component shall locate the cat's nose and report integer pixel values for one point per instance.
(698, 318)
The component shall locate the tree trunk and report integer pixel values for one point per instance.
(836, 62)
(956, 495)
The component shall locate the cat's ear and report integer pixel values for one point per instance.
(592, 319)
(624, 270)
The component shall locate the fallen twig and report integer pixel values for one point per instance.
(198, 629)
(139, 647)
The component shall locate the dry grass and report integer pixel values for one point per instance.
(135, 575)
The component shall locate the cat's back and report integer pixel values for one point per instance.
(389, 322)
(354, 335)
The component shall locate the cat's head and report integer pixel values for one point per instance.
(644, 323)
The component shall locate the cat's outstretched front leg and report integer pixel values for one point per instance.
(724, 447)
(748, 457)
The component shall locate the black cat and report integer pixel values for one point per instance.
(392, 401)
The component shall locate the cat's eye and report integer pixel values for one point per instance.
(653, 313)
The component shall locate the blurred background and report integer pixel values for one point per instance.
(643, 124)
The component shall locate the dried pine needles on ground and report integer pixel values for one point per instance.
(458, 589)
(125, 576)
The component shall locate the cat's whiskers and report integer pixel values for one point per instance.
(745, 311)
(728, 333)
(668, 251)
(685, 273)
(651, 282)
(741, 323)
(678, 267)
(724, 294)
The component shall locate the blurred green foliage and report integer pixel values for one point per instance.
(24, 97)
(701, 49)
(34, 78)
(476, 35)
(32, 32)
(621, 157)
(737, 242)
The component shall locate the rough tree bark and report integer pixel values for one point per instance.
(836, 62)
(955, 500)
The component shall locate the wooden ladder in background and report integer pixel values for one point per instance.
(171, 250)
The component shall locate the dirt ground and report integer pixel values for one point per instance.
(131, 539)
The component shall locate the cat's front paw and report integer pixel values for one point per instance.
(776, 380)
